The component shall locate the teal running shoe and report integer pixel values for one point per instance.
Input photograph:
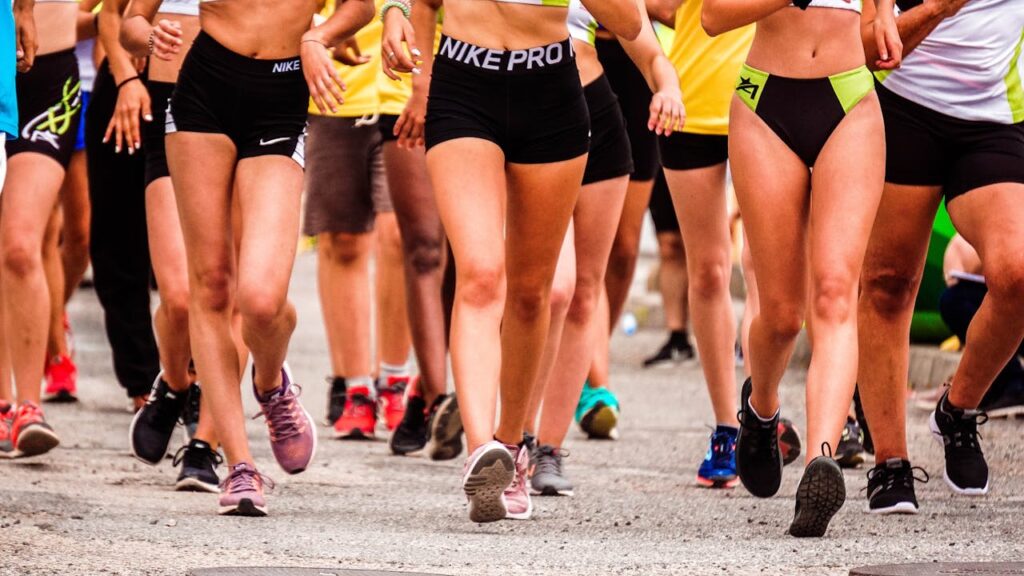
(597, 413)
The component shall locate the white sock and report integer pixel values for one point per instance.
(364, 381)
(395, 370)
(759, 417)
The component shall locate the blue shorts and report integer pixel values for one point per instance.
(80, 139)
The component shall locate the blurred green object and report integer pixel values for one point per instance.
(927, 325)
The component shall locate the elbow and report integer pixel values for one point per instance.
(631, 27)
(710, 23)
(369, 11)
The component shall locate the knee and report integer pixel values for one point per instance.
(343, 249)
(213, 289)
(425, 256)
(835, 297)
(888, 292)
(1006, 283)
(623, 258)
(481, 285)
(670, 246)
(174, 301)
(709, 278)
(781, 321)
(527, 300)
(584, 301)
(563, 292)
(20, 258)
(259, 306)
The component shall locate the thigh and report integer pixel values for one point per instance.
(411, 194)
(898, 243)
(991, 219)
(202, 170)
(596, 219)
(166, 243)
(541, 198)
(269, 195)
(846, 189)
(468, 177)
(701, 207)
(29, 196)
(775, 209)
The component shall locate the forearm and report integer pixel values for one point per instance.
(121, 66)
(87, 25)
(424, 25)
(914, 26)
(137, 26)
(720, 16)
(624, 19)
(349, 17)
(646, 53)
(23, 8)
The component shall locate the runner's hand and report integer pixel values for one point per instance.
(325, 85)
(667, 113)
(409, 127)
(348, 52)
(166, 39)
(890, 47)
(398, 37)
(132, 103)
(26, 42)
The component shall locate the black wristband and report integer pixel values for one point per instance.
(127, 80)
(802, 4)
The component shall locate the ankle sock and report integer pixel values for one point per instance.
(394, 370)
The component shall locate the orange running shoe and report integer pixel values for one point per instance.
(61, 380)
(391, 400)
(359, 418)
(30, 433)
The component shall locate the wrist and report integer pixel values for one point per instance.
(315, 36)
(403, 7)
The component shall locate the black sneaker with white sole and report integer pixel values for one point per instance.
(154, 423)
(198, 468)
(966, 471)
(336, 397)
(821, 493)
(891, 487)
(758, 458)
(411, 433)
(444, 428)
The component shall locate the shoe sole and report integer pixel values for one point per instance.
(35, 441)
(898, 508)
(446, 431)
(718, 482)
(822, 492)
(851, 460)
(937, 434)
(485, 485)
(62, 397)
(245, 507)
(548, 491)
(354, 434)
(194, 485)
(600, 422)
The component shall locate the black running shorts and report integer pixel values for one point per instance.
(529, 102)
(685, 151)
(610, 155)
(635, 100)
(259, 104)
(153, 132)
(928, 148)
(49, 107)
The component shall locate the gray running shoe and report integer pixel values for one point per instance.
(548, 478)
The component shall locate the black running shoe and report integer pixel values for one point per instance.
(821, 493)
(966, 471)
(411, 433)
(190, 414)
(891, 487)
(676, 349)
(758, 459)
(336, 397)
(862, 421)
(850, 452)
(154, 424)
(198, 468)
(444, 428)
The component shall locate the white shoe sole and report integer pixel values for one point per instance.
(934, 427)
(485, 483)
(898, 508)
(194, 485)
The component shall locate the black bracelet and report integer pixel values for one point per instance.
(802, 4)
(127, 80)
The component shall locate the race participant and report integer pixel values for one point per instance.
(218, 148)
(804, 99)
(506, 135)
(595, 220)
(49, 102)
(953, 127)
(174, 388)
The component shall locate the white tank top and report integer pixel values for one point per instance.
(582, 25)
(970, 67)
(183, 7)
(854, 5)
(86, 68)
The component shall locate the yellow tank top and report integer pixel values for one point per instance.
(708, 69)
(360, 81)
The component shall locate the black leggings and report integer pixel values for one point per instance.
(958, 305)
(119, 245)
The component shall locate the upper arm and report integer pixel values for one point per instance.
(621, 17)
(663, 10)
(145, 8)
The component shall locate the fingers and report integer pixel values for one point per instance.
(335, 85)
(883, 48)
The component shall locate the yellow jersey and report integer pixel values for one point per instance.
(708, 68)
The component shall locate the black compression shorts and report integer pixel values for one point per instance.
(685, 151)
(635, 99)
(260, 104)
(529, 102)
(153, 132)
(610, 155)
(928, 148)
(49, 107)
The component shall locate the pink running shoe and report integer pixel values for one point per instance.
(61, 380)
(489, 471)
(517, 495)
(241, 493)
(292, 430)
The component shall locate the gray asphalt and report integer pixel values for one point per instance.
(89, 508)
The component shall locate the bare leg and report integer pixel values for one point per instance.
(344, 268)
(752, 306)
(56, 344)
(598, 376)
(75, 242)
(700, 203)
(392, 314)
(673, 281)
(622, 263)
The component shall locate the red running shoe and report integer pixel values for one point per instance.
(30, 433)
(359, 417)
(391, 400)
(6, 439)
(61, 380)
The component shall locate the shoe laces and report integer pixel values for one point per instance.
(283, 415)
(889, 478)
(723, 445)
(522, 465)
(245, 478)
(549, 460)
(964, 424)
(187, 451)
